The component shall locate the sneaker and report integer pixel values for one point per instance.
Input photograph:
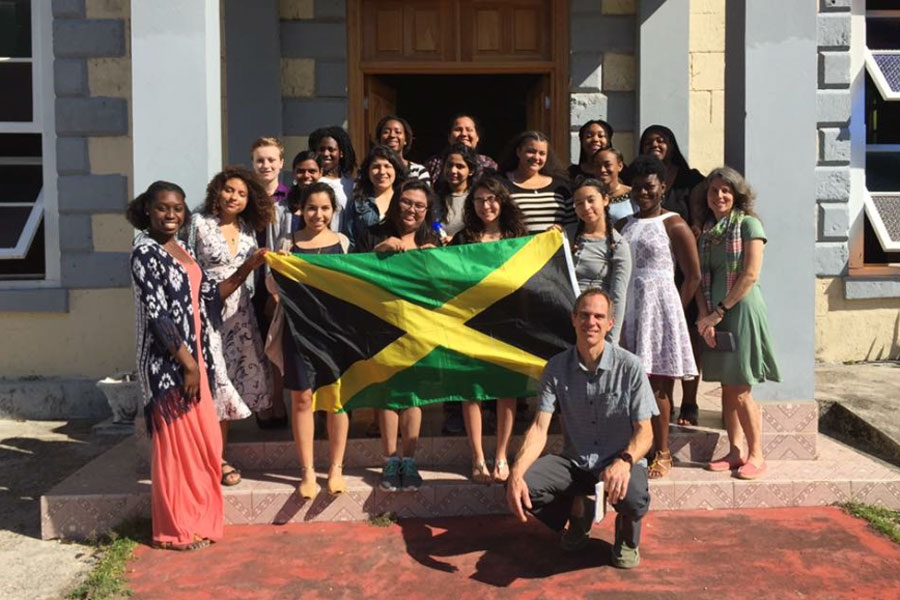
(409, 475)
(577, 535)
(625, 557)
(390, 475)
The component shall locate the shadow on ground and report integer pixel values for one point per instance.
(34, 457)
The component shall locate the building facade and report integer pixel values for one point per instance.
(124, 93)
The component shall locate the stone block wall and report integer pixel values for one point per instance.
(707, 111)
(313, 68)
(92, 334)
(603, 70)
(833, 159)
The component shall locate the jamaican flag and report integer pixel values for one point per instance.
(468, 322)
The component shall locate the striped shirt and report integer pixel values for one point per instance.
(598, 408)
(417, 171)
(543, 207)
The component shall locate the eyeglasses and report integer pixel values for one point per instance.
(416, 206)
(487, 200)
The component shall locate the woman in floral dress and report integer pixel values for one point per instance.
(221, 237)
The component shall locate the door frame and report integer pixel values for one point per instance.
(557, 70)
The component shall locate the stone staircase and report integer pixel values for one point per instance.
(805, 469)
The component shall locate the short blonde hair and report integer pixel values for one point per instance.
(268, 141)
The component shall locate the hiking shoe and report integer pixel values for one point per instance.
(625, 557)
(577, 535)
(390, 475)
(409, 475)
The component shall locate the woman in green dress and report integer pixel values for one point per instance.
(729, 299)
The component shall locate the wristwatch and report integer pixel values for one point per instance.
(627, 457)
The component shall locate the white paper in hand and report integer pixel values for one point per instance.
(599, 502)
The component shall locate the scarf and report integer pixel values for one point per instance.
(727, 229)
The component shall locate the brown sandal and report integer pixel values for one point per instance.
(661, 465)
(197, 544)
(232, 477)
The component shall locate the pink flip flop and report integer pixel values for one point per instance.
(751, 471)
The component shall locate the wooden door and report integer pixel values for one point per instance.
(380, 100)
(538, 105)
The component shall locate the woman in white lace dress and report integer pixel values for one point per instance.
(221, 237)
(655, 328)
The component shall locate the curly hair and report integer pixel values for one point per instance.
(510, 161)
(512, 223)
(364, 188)
(407, 130)
(584, 182)
(347, 162)
(607, 128)
(744, 196)
(138, 210)
(259, 212)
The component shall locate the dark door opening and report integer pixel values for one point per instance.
(503, 104)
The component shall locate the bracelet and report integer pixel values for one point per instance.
(722, 307)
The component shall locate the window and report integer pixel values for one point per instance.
(881, 218)
(22, 207)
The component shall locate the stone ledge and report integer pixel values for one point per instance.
(92, 193)
(858, 288)
(42, 300)
(91, 116)
(88, 38)
(52, 398)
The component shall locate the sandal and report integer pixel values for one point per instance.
(480, 473)
(232, 477)
(501, 471)
(689, 414)
(336, 484)
(197, 544)
(307, 490)
(661, 465)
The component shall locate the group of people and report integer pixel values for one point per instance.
(666, 260)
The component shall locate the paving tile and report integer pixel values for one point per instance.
(878, 493)
(709, 495)
(247, 456)
(472, 499)
(283, 455)
(454, 451)
(794, 446)
(693, 446)
(787, 417)
(363, 453)
(238, 506)
(820, 493)
(662, 495)
(763, 494)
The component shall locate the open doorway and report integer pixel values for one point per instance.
(503, 104)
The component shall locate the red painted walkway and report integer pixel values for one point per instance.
(817, 553)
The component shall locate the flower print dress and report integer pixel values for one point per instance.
(245, 384)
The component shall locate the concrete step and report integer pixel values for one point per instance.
(115, 487)
(789, 433)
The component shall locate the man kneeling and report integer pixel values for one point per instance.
(606, 404)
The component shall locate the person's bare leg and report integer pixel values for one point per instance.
(662, 390)
(506, 416)
(732, 424)
(304, 430)
(338, 427)
(471, 412)
(230, 476)
(388, 423)
(750, 418)
(410, 427)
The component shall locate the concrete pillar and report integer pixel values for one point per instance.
(252, 75)
(664, 71)
(771, 138)
(176, 92)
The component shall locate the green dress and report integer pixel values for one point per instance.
(753, 360)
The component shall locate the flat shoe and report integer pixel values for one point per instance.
(751, 471)
(725, 464)
(336, 484)
(308, 490)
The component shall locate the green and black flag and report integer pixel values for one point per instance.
(468, 322)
